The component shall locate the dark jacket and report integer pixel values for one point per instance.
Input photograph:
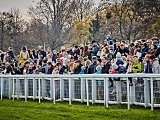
(54, 57)
(148, 68)
(64, 69)
(92, 68)
(124, 51)
(106, 68)
(78, 69)
(50, 70)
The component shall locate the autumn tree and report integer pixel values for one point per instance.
(11, 26)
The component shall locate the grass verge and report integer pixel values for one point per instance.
(18, 109)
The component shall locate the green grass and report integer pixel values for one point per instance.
(18, 109)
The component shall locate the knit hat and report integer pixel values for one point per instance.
(118, 55)
(114, 66)
(152, 57)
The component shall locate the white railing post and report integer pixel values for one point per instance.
(146, 92)
(70, 91)
(61, 89)
(73, 88)
(9, 88)
(1, 88)
(54, 91)
(119, 91)
(94, 93)
(51, 88)
(34, 88)
(107, 92)
(13, 89)
(43, 87)
(82, 89)
(132, 92)
(18, 87)
(128, 94)
(39, 91)
(87, 92)
(104, 91)
(152, 99)
(26, 88)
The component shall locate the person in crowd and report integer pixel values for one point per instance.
(95, 49)
(123, 51)
(10, 51)
(104, 52)
(119, 59)
(113, 70)
(1, 55)
(54, 56)
(41, 51)
(92, 66)
(49, 58)
(86, 66)
(56, 69)
(31, 68)
(65, 69)
(8, 69)
(24, 55)
(106, 64)
(155, 68)
(147, 66)
(77, 69)
(50, 68)
(99, 71)
(26, 68)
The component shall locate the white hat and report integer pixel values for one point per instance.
(118, 55)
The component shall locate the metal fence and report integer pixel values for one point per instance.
(145, 88)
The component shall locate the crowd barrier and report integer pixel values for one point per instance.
(84, 88)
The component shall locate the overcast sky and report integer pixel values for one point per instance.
(22, 5)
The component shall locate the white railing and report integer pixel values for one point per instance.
(83, 88)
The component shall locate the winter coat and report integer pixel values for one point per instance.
(105, 69)
(92, 68)
(119, 62)
(155, 66)
(21, 57)
(148, 68)
(94, 51)
(137, 67)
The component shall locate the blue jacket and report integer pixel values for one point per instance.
(92, 68)
(94, 51)
(119, 62)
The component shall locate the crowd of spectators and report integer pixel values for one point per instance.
(107, 57)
